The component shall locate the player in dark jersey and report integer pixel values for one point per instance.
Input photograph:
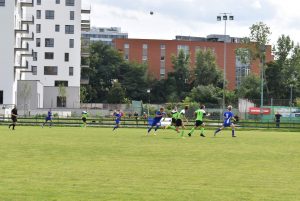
(14, 117)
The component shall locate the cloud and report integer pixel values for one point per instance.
(195, 17)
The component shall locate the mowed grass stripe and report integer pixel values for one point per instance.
(98, 164)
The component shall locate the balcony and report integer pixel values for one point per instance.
(21, 31)
(27, 4)
(85, 11)
(85, 27)
(27, 21)
(27, 38)
(85, 54)
(85, 21)
(22, 49)
(84, 81)
(21, 66)
(84, 66)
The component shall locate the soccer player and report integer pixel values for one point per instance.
(14, 116)
(117, 115)
(228, 115)
(48, 118)
(156, 120)
(174, 116)
(84, 116)
(199, 114)
(179, 117)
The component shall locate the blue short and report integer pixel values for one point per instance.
(227, 124)
(155, 123)
(117, 121)
(48, 118)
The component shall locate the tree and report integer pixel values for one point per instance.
(249, 88)
(206, 71)
(255, 48)
(133, 78)
(208, 94)
(181, 74)
(104, 65)
(283, 73)
(116, 94)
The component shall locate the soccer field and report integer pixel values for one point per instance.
(98, 164)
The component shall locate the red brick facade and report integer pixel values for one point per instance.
(135, 53)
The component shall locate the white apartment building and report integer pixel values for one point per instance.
(40, 53)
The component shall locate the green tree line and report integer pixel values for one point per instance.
(115, 80)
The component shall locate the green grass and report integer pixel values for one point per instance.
(97, 164)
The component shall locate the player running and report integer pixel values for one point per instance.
(14, 116)
(156, 120)
(84, 116)
(181, 115)
(199, 114)
(117, 115)
(174, 116)
(228, 115)
(48, 118)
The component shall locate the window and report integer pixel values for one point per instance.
(145, 52)
(34, 70)
(49, 42)
(38, 42)
(72, 15)
(126, 51)
(38, 14)
(61, 101)
(71, 71)
(38, 28)
(70, 2)
(57, 28)
(50, 70)
(71, 43)
(1, 92)
(57, 1)
(69, 29)
(2, 3)
(59, 83)
(34, 56)
(49, 55)
(49, 14)
(66, 56)
(38, 2)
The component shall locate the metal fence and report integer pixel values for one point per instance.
(140, 122)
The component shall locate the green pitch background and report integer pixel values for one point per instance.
(97, 164)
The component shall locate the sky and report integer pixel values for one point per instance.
(195, 17)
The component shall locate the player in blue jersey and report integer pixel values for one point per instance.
(228, 116)
(48, 118)
(156, 120)
(117, 115)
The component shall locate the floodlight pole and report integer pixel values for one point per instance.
(224, 17)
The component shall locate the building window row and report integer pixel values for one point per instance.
(51, 70)
(50, 14)
(49, 42)
(69, 29)
(68, 2)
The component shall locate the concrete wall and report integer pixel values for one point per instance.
(51, 93)
(29, 94)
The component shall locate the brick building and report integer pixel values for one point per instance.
(157, 54)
